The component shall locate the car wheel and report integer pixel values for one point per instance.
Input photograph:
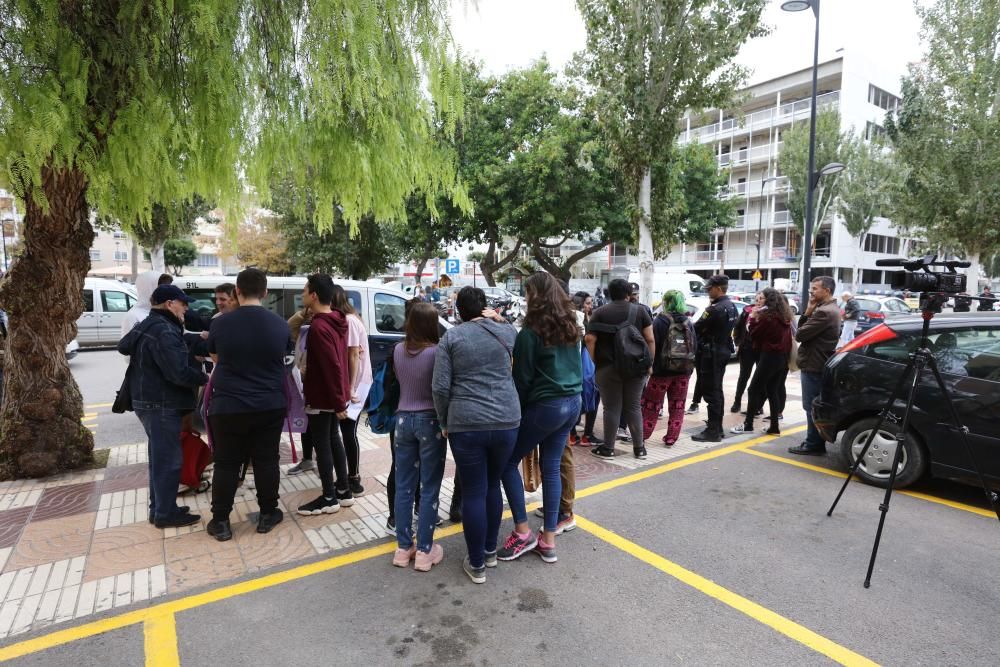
(877, 464)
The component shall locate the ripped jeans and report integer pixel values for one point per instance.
(420, 454)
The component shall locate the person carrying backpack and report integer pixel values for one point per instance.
(620, 341)
(673, 363)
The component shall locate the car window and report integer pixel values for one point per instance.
(894, 306)
(114, 302)
(204, 301)
(88, 301)
(296, 296)
(869, 304)
(974, 351)
(390, 311)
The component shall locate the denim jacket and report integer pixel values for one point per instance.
(161, 378)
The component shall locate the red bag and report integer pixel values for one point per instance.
(196, 456)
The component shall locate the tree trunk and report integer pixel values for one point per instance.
(645, 238)
(135, 260)
(421, 265)
(156, 257)
(973, 273)
(857, 263)
(40, 418)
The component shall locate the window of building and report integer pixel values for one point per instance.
(95, 254)
(121, 255)
(871, 277)
(888, 245)
(207, 260)
(119, 235)
(882, 99)
(873, 130)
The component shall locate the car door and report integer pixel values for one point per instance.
(388, 312)
(114, 305)
(87, 331)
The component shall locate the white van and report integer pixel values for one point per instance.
(382, 308)
(690, 284)
(105, 303)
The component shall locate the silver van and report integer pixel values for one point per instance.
(381, 308)
(105, 303)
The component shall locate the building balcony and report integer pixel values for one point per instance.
(772, 116)
(746, 156)
(753, 188)
(752, 220)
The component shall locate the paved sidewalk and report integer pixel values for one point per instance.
(78, 544)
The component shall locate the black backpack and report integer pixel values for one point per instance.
(631, 355)
(678, 349)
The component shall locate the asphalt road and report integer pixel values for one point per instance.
(99, 374)
(728, 560)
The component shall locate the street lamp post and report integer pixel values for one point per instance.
(760, 225)
(798, 6)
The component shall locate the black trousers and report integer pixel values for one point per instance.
(349, 434)
(748, 359)
(711, 370)
(767, 381)
(698, 393)
(241, 437)
(329, 448)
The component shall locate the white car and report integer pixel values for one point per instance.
(105, 303)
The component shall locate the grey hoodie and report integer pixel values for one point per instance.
(473, 387)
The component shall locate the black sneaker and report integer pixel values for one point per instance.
(708, 435)
(345, 497)
(603, 452)
(355, 484)
(639, 452)
(220, 529)
(736, 407)
(268, 521)
(183, 509)
(693, 408)
(321, 505)
(178, 520)
(390, 524)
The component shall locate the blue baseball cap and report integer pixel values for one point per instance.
(165, 293)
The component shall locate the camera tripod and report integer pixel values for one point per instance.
(920, 359)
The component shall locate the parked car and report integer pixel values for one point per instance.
(876, 310)
(381, 308)
(858, 380)
(105, 303)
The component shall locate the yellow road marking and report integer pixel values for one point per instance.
(89, 415)
(160, 641)
(674, 465)
(913, 494)
(98, 405)
(776, 621)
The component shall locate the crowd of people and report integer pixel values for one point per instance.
(496, 394)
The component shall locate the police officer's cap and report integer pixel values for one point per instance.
(720, 280)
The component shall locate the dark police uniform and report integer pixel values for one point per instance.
(715, 347)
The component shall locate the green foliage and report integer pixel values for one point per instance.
(686, 207)
(947, 133)
(831, 146)
(651, 61)
(156, 101)
(178, 253)
(869, 185)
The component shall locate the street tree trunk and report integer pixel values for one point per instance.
(40, 418)
(421, 265)
(156, 257)
(857, 263)
(135, 260)
(645, 238)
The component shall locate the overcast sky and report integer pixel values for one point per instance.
(506, 34)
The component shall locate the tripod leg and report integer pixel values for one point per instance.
(990, 495)
(917, 362)
(896, 393)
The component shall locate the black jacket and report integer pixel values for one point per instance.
(161, 378)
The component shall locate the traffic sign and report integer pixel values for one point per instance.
(452, 266)
(757, 275)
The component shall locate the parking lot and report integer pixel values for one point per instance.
(725, 556)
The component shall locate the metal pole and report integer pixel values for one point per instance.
(760, 227)
(808, 227)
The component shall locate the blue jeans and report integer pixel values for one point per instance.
(163, 428)
(811, 383)
(481, 457)
(545, 424)
(420, 453)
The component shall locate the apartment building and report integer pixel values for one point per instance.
(747, 141)
(10, 227)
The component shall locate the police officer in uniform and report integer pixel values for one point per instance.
(715, 345)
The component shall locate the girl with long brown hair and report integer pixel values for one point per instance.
(770, 330)
(549, 380)
(420, 446)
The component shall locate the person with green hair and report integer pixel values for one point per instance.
(673, 363)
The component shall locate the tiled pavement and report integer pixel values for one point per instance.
(79, 544)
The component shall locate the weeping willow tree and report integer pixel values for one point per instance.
(112, 106)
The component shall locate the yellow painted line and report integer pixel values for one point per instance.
(89, 415)
(674, 465)
(98, 405)
(160, 640)
(759, 613)
(913, 494)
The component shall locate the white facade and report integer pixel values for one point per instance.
(748, 143)
(10, 227)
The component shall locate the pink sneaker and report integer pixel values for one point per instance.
(425, 561)
(402, 557)
(547, 550)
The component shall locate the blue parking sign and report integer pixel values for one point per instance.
(452, 266)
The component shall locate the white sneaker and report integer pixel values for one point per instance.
(305, 465)
(739, 428)
(624, 435)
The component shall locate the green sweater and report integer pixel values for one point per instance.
(542, 372)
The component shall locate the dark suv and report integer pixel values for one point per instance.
(857, 382)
